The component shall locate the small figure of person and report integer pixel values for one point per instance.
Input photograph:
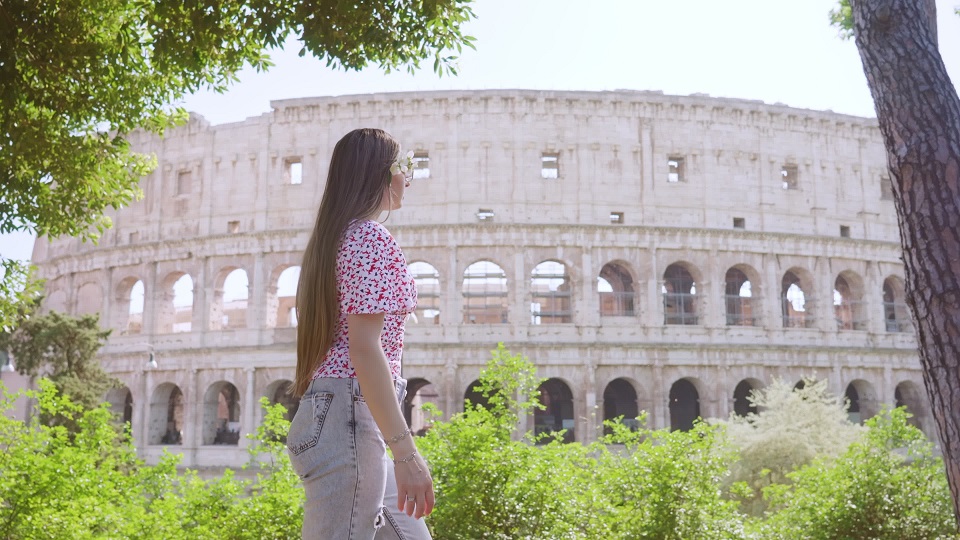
(354, 294)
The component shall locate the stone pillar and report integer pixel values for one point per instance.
(257, 294)
(249, 408)
(588, 425)
(450, 405)
(872, 300)
(151, 290)
(202, 294)
(451, 310)
(141, 411)
(653, 316)
(587, 309)
(519, 309)
(823, 281)
(711, 299)
(772, 304)
(192, 430)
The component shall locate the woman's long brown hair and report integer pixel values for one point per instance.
(359, 172)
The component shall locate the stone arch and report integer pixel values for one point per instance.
(896, 317)
(741, 302)
(848, 301)
(427, 278)
(909, 395)
(551, 296)
(166, 415)
(121, 404)
(89, 299)
(620, 399)
(741, 397)
(684, 405)
(278, 392)
(55, 301)
(175, 309)
(679, 289)
(795, 299)
(862, 403)
(485, 293)
(221, 414)
(419, 392)
(558, 413)
(282, 297)
(473, 396)
(129, 304)
(231, 295)
(615, 285)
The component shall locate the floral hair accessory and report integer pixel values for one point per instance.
(404, 164)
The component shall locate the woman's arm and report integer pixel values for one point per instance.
(380, 394)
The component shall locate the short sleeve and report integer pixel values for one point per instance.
(372, 273)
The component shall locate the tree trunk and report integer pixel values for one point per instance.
(919, 115)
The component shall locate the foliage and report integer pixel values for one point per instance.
(660, 484)
(791, 428)
(490, 483)
(19, 291)
(76, 76)
(887, 486)
(63, 349)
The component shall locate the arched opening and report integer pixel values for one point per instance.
(684, 405)
(909, 396)
(473, 396)
(895, 313)
(419, 392)
(551, 300)
(863, 403)
(620, 399)
(89, 298)
(228, 307)
(280, 395)
(738, 298)
(742, 406)
(557, 415)
(284, 301)
(847, 303)
(484, 294)
(221, 414)
(166, 415)
(175, 310)
(679, 296)
(427, 279)
(121, 404)
(796, 312)
(615, 287)
(55, 301)
(128, 314)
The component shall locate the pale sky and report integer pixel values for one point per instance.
(769, 50)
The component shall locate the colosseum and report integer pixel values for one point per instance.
(646, 252)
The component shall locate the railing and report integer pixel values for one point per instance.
(740, 310)
(680, 308)
(617, 304)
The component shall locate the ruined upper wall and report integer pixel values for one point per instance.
(485, 150)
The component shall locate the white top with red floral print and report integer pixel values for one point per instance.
(372, 277)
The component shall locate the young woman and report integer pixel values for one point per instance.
(354, 294)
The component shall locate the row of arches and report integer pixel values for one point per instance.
(219, 411)
(485, 297)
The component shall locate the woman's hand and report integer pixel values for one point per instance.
(414, 485)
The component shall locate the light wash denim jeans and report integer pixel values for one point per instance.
(340, 455)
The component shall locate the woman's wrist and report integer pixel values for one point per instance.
(403, 448)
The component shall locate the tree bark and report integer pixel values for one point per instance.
(919, 115)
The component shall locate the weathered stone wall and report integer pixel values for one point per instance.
(222, 199)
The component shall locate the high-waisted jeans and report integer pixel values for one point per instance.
(340, 455)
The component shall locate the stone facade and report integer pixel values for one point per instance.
(647, 252)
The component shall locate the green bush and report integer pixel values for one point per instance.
(887, 486)
(491, 482)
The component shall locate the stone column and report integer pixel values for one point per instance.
(249, 407)
(257, 296)
(192, 428)
(588, 425)
(141, 411)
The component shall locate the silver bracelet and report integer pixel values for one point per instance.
(407, 459)
(397, 438)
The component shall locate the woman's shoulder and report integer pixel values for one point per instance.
(367, 230)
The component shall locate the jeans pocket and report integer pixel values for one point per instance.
(306, 425)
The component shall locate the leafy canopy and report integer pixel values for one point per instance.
(76, 76)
